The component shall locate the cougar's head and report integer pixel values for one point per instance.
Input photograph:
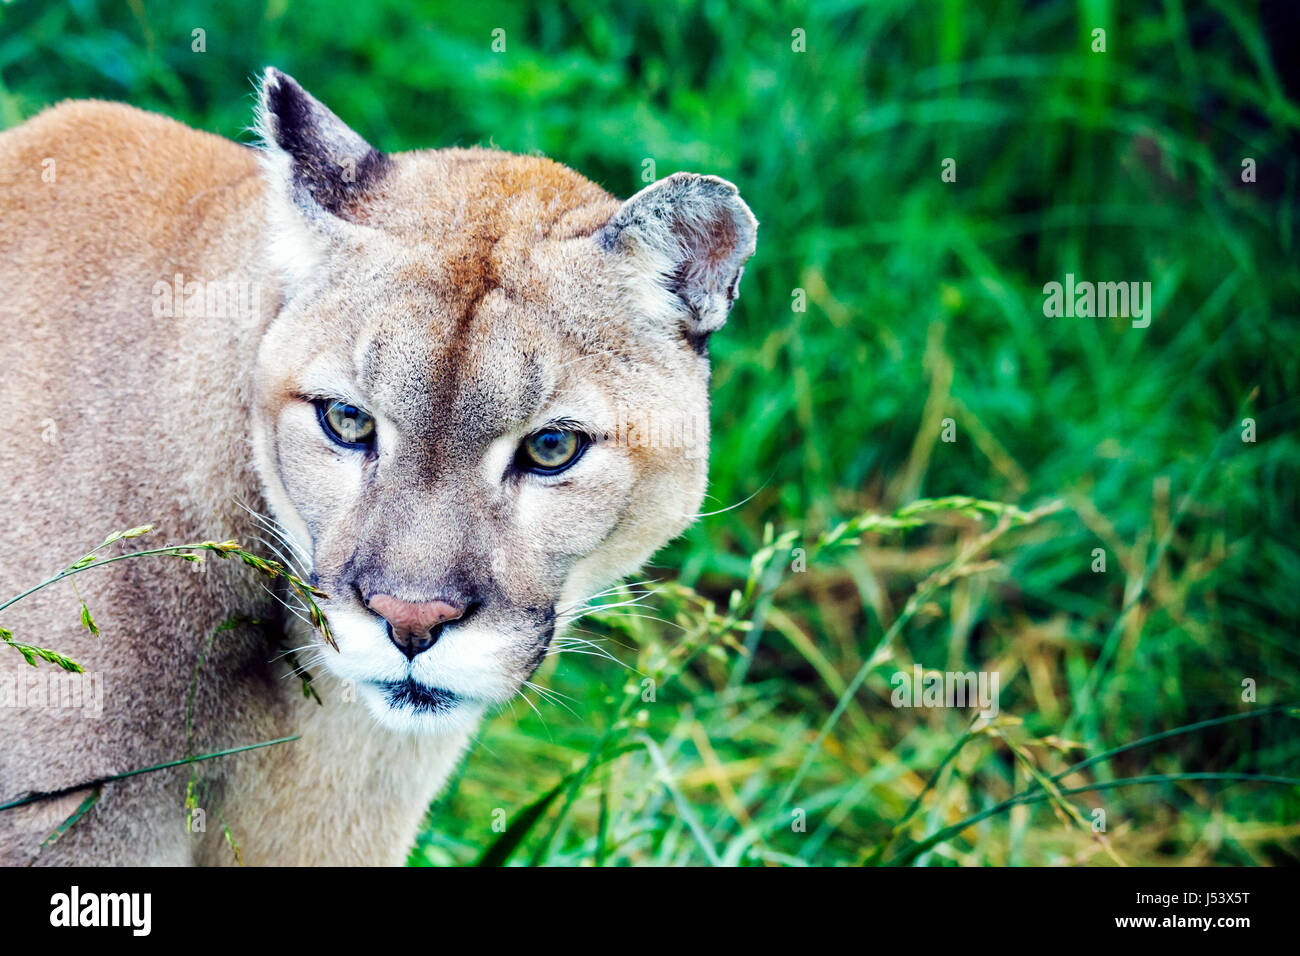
(484, 399)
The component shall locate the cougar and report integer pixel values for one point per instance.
(415, 377)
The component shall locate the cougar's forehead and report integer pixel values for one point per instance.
(444, 370)
(490, 286)
(486, 203)
(476, 297)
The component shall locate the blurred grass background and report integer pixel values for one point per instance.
(923, 303)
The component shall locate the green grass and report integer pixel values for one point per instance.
(924, 303)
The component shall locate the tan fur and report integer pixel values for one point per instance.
(466, 297)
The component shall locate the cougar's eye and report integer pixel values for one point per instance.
(551, 450)
(346, 424)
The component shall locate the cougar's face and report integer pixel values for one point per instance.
(484, 399)
(462, 481)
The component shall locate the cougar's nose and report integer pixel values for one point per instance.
(414, 627)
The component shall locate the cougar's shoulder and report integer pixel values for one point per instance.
(99, 202)
(102, 152)
(116, 420)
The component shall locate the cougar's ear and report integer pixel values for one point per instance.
(318, 170)
(682, 243)
(323, 165)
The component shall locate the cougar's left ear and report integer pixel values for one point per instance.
(318, 171)
(682, 243)
(325, 165)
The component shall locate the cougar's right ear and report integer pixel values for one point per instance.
(682, 244)
(318, 172)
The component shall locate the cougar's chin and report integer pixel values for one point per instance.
(443, 690)
(411, 707)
